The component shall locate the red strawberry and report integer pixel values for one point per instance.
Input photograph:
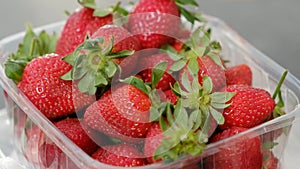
(122, 112)
(155, 22)
(270, 161)
(120, 155)
(43, 86)
(123, 40)
(74, 129)
(208, 67)
(244, 152)
(149, 62)
(249, 106)
(240, 74)
(78, 25)
(153, 140)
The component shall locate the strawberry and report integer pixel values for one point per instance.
(122, 155)
(122, 112)
(239, 74)
(208, 67)
(149, 62)
(151, 32)
(157, 22)
(78, 25)
(102, 55)
(42, 85)
(249, 107)
(244, 152)
(72, 128)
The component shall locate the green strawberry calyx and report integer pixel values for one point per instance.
(33, 45)
(198, 45)
(93, 64)
(182, 135)
(102, 12)
(186, 128)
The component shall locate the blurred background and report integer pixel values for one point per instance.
(272, 26)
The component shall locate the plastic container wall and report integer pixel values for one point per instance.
(32, 129)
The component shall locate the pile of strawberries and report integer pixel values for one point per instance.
(132, 88)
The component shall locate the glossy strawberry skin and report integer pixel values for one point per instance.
(155, 22)
(249, 106)
(240, 74)
(122, 112)
(149, 62)
(120, 155)
(243, 152)
(80, 24)
(43, 86)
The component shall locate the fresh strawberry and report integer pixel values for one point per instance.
(74, 129)
(122, 112)
(244, 152)
(270, 160)
(157, 22)
(208, 67)
(153, 32)
(102, 55)
(78, 25)
(240, 74)
(122, 155)
(149, 62)
(249, 107)
(152, 141)
(42, 85)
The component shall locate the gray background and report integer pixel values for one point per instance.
(270, 25)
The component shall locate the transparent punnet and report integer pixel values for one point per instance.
(32, 129)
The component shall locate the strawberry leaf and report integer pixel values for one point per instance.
(88, 3)
(102, 12)
(190, 16)
(157, 73)
(178, 65)
(217, 115)
(138, 83)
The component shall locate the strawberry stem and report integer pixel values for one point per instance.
(277, 90)
(278, 110)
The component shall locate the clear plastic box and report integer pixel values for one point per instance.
(266, 74)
